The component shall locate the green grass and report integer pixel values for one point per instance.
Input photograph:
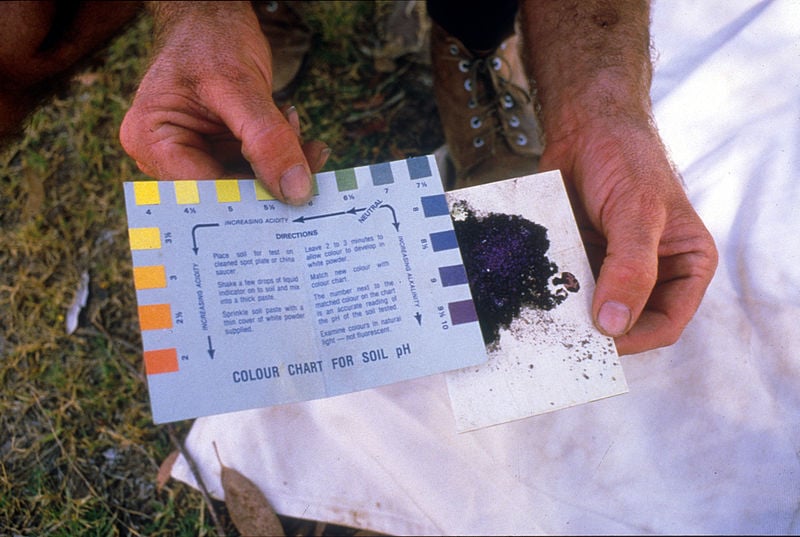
(78, 450)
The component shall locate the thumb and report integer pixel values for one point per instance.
(627, 276)
(272, 147)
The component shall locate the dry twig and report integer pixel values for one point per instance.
(200, 483)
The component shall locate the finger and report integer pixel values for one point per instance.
(271, 145)
(317, 154)
(174, 154)
(229, 152)
(167, 141)
(686, 268)
(291, 115)
(627, 275)
(671, 307)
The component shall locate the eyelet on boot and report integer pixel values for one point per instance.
(492, 94)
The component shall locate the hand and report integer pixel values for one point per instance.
(653, 255)
(657, 258)
(204, 108)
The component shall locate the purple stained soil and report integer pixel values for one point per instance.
(507, 267)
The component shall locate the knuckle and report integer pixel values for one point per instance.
(671, 333)
(637, 273)
(266, 141)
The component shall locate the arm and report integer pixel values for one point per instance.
(204, 108)
(41, 46)
(591, 63)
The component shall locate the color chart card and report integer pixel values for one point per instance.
(246, 302)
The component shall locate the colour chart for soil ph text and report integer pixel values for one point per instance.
(246, 302)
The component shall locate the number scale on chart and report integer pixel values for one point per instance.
(246, 302)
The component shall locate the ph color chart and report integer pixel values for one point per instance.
(245, 302)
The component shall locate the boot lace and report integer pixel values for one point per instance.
(498, 101)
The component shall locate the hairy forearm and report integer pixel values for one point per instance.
(202, 41)
(169, 16)
(590, 60)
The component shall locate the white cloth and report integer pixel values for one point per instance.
(707, 440)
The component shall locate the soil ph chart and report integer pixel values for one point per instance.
(246, 302)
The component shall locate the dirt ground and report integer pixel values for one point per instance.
(79, 454)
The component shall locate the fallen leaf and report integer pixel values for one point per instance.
(165, 470)
(250, 511)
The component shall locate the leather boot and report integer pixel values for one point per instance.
(290, 40)
(486, 108)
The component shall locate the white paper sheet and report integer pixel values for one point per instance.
(548, 355)
(707, 439)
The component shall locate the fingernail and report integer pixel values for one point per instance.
(296, 185)
(323, 157)
(613, 318)
(293, 118)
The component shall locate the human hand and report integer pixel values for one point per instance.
(655, 256)
(204, 108)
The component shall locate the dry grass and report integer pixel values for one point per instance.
(78, 450)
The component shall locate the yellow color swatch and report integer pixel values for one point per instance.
(149, 277)
(186, 192)
(261, 192)
(263, 195)
(146, 193)
(155, 317)
(144, 238)
(227, 190)
(161, 361)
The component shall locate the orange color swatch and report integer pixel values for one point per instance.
(149, 277)
(161, 361)
(155, 317)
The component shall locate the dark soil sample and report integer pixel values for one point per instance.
(507, 266)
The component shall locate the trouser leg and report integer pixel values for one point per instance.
(41, 45)
(481, 26)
